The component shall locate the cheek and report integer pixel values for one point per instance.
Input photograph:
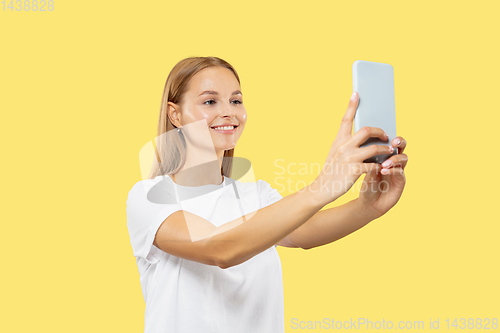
(243, 117)
(197, 113)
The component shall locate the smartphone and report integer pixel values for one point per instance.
(374, 82)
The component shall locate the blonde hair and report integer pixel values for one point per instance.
(170, 149)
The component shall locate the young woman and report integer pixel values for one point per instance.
(205, 243)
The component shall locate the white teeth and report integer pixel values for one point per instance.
(224, 128)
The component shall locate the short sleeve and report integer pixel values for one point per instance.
(144, 217)
(273, 195)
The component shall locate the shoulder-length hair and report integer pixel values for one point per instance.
(170, 149)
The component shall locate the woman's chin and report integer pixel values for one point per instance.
(225, 147)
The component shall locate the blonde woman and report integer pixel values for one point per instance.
(205, 243)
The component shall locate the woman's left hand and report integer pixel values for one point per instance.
(381, 191)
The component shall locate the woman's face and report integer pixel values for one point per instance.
(214, 95)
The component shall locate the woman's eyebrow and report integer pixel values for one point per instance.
(211, 92)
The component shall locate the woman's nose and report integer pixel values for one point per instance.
(227, 111)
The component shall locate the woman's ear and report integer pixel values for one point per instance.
(173, 113)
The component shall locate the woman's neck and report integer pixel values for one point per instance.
(200, 168)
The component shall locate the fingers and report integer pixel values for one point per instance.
(393, 171)
(373, 150)
(400, 143)
(398, 160)
(346, 125)
(367, 132)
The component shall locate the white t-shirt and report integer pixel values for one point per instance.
(184, 296)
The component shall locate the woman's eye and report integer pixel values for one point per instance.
(211, 102)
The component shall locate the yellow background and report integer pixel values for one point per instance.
(80, 95)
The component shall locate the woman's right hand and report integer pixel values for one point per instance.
(344, 164)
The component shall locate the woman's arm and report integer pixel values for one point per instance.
(241, 239)
(329, 225)
(189, 236)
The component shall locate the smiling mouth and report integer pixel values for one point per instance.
(225, 129)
